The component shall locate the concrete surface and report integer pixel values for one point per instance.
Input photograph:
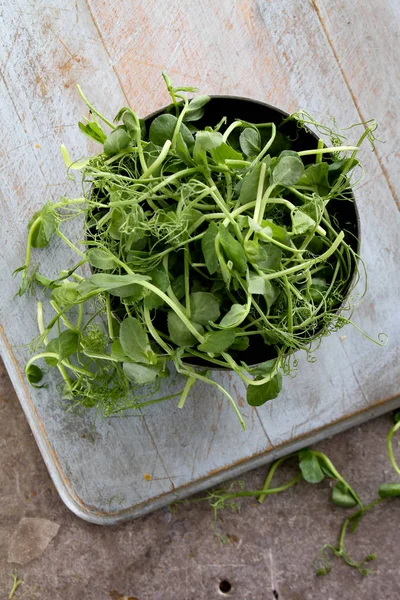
(174, 555)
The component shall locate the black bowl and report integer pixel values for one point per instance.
(253, 111)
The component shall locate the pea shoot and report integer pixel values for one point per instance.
(204, 243)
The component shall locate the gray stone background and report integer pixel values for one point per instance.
(174, 555)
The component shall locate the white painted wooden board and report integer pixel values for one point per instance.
(277, 52)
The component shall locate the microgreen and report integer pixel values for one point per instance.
(314, 467)
(15, 585)
(202, 242)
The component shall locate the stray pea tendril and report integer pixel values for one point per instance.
(314, 466)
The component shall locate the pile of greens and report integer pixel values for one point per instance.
(211, 247)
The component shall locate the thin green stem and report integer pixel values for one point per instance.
(154, 333)
(318, 157)
(267, 146)
(191, 373)
(317, 151)
(220, 202)
(70, 244)
(259, 196)
(64, 319)
(41, 328)
(229, 129)
(271, 473)
(159, 160)
(16, 583)
(289, 304)
(93, 109)
(390, 447)
(309, 263)
(109, 317)
(186, 259)
(189, 384)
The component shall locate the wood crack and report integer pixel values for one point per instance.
(354, 99)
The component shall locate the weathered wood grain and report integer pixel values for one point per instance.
(39, 110)
(277, 52)
(365, 38)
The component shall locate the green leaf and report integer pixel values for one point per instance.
(271, 294)
(288, 170)
(43, 230)
(163, 127)
(152, 301)
(196, 108)
(120, 114)
(204, 307)
(160, 279)
(100, 259)
(271, 260)
(118, 285)
(280, 143)
(131, 293)
(267, 257)
(205, 141)
(225, 271)
(336, 168)
(179, 333)
(234, 317)
(130, 124)
(64, 345)
(208, 248)
(254, 252)
(257, 284)
(117, 351)
(310, 467)
(178, 286)
(65, 294)
(117, 219)
(86, 287)
(118, 140)
(233, 249)
(183, 151)
(250, 141)
(241, 343)
(217, 341)
(278, 233)
(44, 281)
(317, 289)
(224, 152)
(341, 496)
(198, 286)
(94, 131)
(249, 185)
(134, 341)
(316, 177)
(34, 374)
(140, 374)
(263, 369)
(257, 395)
(301, 222)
